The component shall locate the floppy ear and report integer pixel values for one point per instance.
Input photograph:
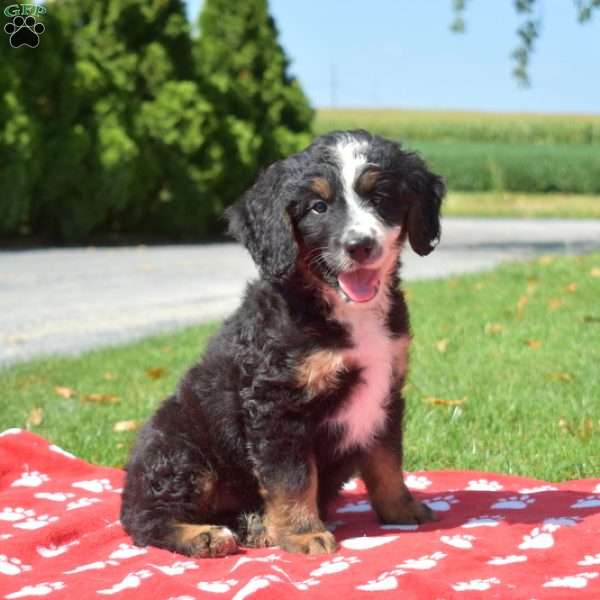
(261, 222)
(425, 191)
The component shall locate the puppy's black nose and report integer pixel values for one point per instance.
(360, 249)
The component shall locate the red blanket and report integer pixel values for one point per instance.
(498, 537)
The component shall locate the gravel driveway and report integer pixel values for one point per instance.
(68, 300)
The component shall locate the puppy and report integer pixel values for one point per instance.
(301, 388)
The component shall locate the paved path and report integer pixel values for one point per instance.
(68, 300)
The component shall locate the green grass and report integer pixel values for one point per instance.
(519, 347)
(511, 204)
(456, 126)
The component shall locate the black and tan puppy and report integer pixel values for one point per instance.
(301, 388)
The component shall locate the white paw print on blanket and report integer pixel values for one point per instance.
(177, 568)
(129, 582)
(82, 503)
(423, 563)
(484, 485)
(94, 566)
(464, 542)
(589, 560)
(367, 542)
(335, 565)
(12, 566)
(385, 582)
(41, 589)
(478, 585)
(539, 538)
(96, 486)
(483, 521)
(36, 522)
(442, 503)
(355, 507)
(219, 587)
(513, 503)
(507, 560)
(127, 551)
(54, 496)
(563, 521)
(30, 479)
(588, 502)
(417, 482)
(15, 514)
(537, 489)
(53, 550)
(577, 582)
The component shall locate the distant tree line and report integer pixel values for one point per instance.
(121, 120)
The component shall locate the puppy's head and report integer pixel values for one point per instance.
(340, 211)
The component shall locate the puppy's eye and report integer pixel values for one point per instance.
(319, 207)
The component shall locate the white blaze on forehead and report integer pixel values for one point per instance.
(352, 159)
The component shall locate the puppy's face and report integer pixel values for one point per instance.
(340, 210)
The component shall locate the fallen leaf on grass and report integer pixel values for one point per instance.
(156, 372)
(555, 303)
(534, 344)
(571, 288)
(595, 272)
(122, 426)
(102, 398)
(442, 345)
(521, 304)
(64, 392)
(35, 417)
(494, 328)
(110, 376)
(560, 376)
(443, 402)
(583, 430)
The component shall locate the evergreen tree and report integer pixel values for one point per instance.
(263, 112)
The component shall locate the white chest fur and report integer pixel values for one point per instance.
(364, 414)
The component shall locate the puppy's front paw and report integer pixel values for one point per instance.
(320, 542)
(408, 513)
(215, 541)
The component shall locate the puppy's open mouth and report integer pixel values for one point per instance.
(360, 285)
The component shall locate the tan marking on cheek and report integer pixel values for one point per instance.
(321, 186)
(320, 371)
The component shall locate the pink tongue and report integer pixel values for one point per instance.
(359, 285)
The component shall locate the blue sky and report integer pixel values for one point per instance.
(401, 53)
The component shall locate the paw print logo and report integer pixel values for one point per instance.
(513, 503)
(82, 503)
(385, 582)
(587, 502)
(441, 503)
(507, 560)
(336, 565)
(575, 582)
(355, 507)
(464, 542)
(537, 489)
(24, 31)
(12, 566)
(127, 551)
(589, 560)
(563, 521)
(479, 585)
(417, 482)
(177, 568)
(483, 485)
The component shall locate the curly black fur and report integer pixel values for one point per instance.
(241, 426)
